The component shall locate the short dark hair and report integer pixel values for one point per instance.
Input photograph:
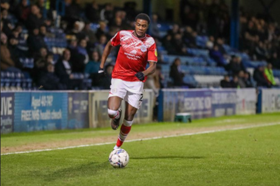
(144, 17)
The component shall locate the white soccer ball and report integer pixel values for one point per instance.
(118, 158)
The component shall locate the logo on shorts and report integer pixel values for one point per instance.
(143, 48)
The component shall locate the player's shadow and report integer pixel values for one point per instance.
(167, 157)
(89, 169)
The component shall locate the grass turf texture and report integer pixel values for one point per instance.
(241, 157)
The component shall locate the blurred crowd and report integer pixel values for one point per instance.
(27, 29)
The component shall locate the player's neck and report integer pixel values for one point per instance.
(139, 37)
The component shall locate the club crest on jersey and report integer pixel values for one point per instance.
(143, 48)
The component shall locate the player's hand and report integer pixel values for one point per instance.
(101, 72)
(140, 76)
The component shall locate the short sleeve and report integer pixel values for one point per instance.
(152, 53)
(115, 41)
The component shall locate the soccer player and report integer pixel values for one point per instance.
(129, 74)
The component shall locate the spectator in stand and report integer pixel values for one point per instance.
(101, 44)
(72, 47)
(107, 13)
(247, 80)
(217, 56)
(105, 82)
(234, 82)
(7, 26)
(187, 34)
(260, 52)
(14, 51)
(22, 11)
(92, 12)
(35, 18)
(241, 82)
(175, 30)
(44, 33)
(225, 83)
(154, 26)
(48, 79)
(40, 63)
(92, 66)
(45, 10)
(259, 77)
(101, 30)
(79, 56)
(167, 43)
(22, 44)
(275, 60)
(235, 65)
(83, 51)
(75, 32)
(179, 46)
(117, 22)
(35, 42)
(6, 62)
(268, 75)
(72, 12)
(210, 42)
(176, 73)
(89, 33)
(192, 40)
(63, 70)
(220, 43)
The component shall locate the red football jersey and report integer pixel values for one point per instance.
(133, 55)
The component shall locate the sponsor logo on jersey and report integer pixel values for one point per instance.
(143, 48)
(156, 52)
(133, 52)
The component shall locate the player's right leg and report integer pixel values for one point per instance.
(116, 95)
(114, 111)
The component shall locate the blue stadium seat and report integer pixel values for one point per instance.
(94, 26)
(198, 52)
(201, 41)
(27, 62)
(190, 79)
(253, 64)
(276, 73)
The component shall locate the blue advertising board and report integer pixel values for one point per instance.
(7, 112)
(224, 102)
(195, 102)
(78, 114)
(40, 111)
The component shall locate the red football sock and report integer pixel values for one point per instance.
(123, 133)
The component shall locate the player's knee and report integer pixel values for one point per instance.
(112, 113)
(127, 123)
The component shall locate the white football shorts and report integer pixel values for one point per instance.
(131, 92)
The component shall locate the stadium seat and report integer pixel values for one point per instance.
(253, 64)
(27, 62)
(276, 73)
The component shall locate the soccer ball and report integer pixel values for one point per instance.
(118, 158)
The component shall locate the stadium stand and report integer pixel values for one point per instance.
(200, 70)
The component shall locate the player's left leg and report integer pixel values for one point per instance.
(130, 111)
(132, 104)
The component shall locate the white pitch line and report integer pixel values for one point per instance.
(158, 137)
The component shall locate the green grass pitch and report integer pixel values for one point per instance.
(246, 157)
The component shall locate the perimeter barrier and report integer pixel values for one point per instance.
(54, 110)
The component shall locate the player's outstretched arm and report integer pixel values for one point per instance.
(105, 54)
